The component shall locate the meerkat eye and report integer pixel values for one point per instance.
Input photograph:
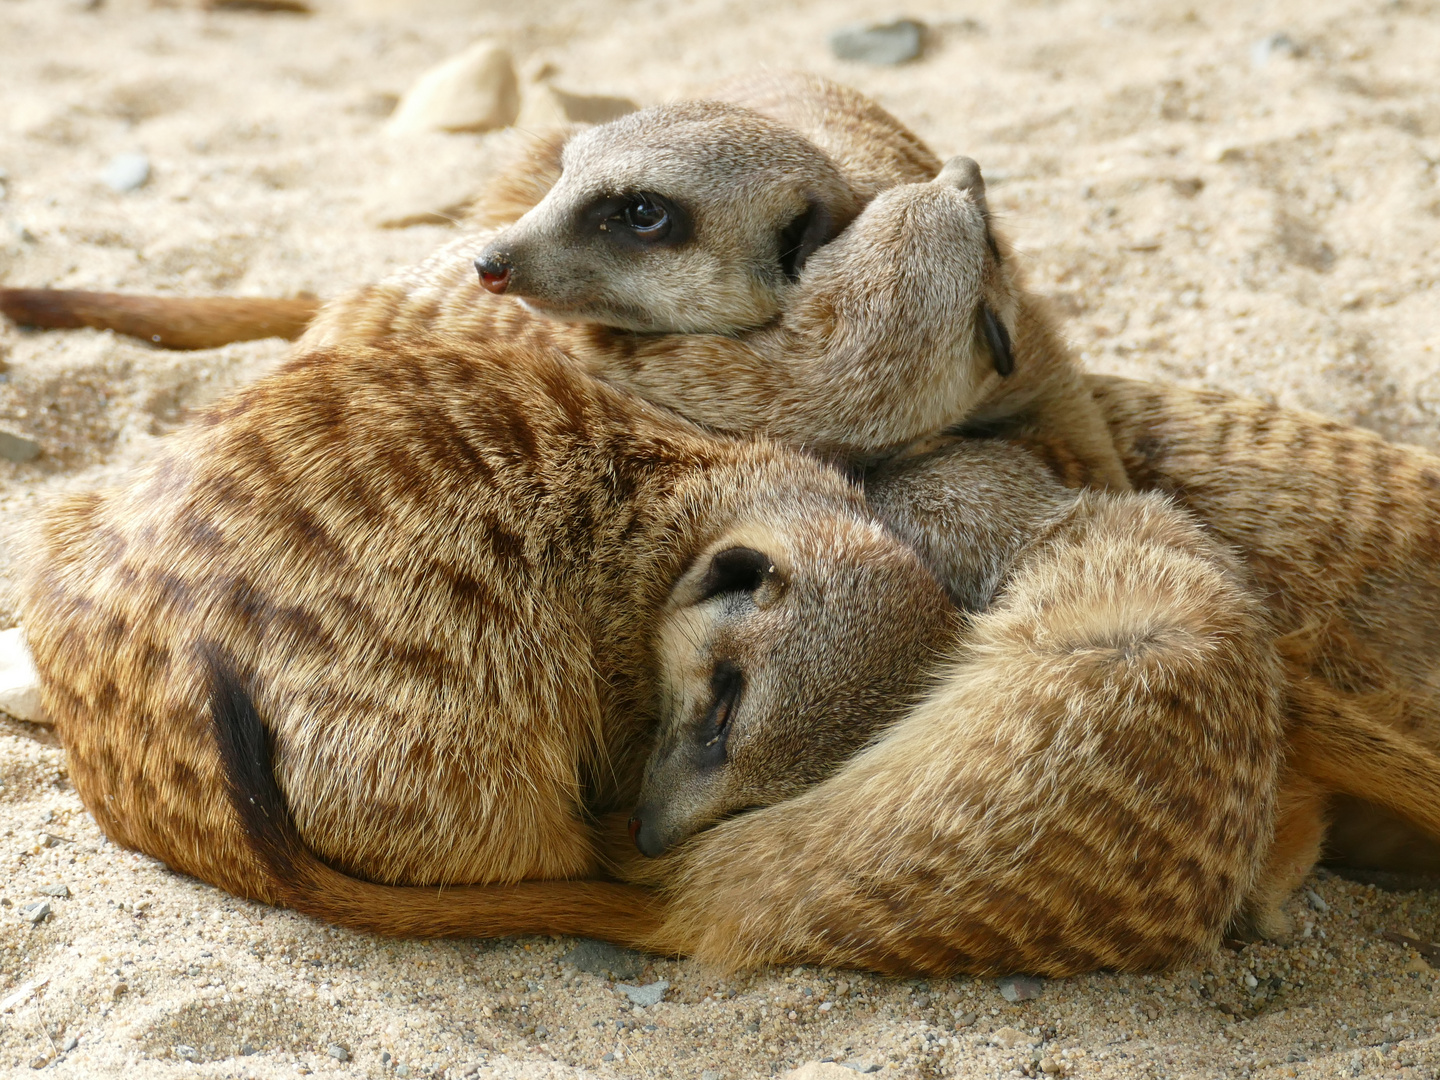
(647, 216)
(642, 218)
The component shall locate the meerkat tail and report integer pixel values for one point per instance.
(1348, 751)
(624, 914)
(174, 322)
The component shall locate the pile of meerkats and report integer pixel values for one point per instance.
(718, 551)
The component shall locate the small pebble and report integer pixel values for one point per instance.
(338, 1052)
(36, 913)
(126, 172)
(61, 890)
(119, 991)
(645, 996)
(1250, 981)
(247, 1048)
(17, 447)
(1316, 902)
(879, 43)
(1049, 1066)
(69, 1044)
(1008, 1038)
(1020, 987)
(1271, 46)
(187, 1053)
(602, 958)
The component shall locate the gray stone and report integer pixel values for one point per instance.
(62, 890)
(17, 447)
(69, 1044)
(647, 995)
(338, 1052)
(36, 913)
(602, 958)
(127, 172)
(879, 43)
(187, 1053)
(1271, 46)
(1316, 902)
(1020, 987)
(248, 1048)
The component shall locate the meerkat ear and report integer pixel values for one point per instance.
(808, 231)
(997, 338)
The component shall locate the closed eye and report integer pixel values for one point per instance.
(727, 683)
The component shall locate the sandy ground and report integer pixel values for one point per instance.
(1206, 208)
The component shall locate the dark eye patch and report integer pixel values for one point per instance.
(638, 220)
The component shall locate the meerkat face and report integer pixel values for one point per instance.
(779, 656)
(689, 218)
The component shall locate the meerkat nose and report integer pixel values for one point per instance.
(494, 272)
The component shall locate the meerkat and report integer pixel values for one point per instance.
(434, 571)
(793, 275)
(993, 526)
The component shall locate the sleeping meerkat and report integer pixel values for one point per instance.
(434, 574)
(1112, 649)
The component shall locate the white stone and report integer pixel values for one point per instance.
(819, 1070)
(19, 681)
(126, 172)
(474, 91)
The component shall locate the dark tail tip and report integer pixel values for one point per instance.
(249, 772)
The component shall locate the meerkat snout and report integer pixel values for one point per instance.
(494, 270)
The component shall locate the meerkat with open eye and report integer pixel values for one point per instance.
(716, 260)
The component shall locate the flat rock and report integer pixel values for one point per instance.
(17, 447)
(647, 995)
(35, 913)
(879, 43)
(19, 681)
(474, 91)
(602, 958)
(1020, 987)
(126, 172)
(61, 890)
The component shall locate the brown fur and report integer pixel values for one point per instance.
(436, 572)
(1023, 406)
(1091, 784)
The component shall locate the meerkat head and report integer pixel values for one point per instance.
(689, 218)
(780, 654)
